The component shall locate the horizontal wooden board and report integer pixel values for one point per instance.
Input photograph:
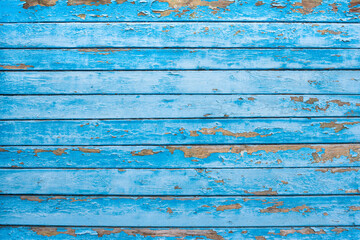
(181, 182)
(315, 233)
(166, 10)
(267, 35)
(195, 156)
(180, 106)
(177, 59)
(184, 211)
(190, 131)
(180, 82)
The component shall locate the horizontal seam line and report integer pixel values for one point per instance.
(182, 196)
(187, 21)
(179, 118)
(174, 168)
(152, 144)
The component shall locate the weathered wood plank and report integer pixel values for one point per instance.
(190, 131)
(180, 82)
(177, 59)
(177, 106)
(166, 10)
(184, 211)
(315, 233)
(200, 156)
(267, 35)
(181, 182)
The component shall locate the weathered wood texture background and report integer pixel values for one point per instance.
(180, 119)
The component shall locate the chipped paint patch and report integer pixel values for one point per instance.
(337, 170)
(88, 2)
(306, 6)
(303, 231)
(175, 5)
(275, 208)
(43, 3)
(57, 152)
(179, 233)
(17, 67)
(32, 198)
(337, 126)
(224, 132)
(265, 192)
(228, 207)
(323, 32)
(53, 231)
(144, 152)
(354, 208)
(89, 150)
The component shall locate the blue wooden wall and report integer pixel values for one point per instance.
(179, 119)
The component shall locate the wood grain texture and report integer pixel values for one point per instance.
(266, 35)
(170, 106)
(177, 59)
(166, 10)
(181, 82)
(205, 131)
(180, 212)
(181, 182)
(195, 156)
(315, 233)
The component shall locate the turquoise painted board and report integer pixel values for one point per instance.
(182, 156)
(164, 119)
(177, 59)
(189, 131)
(180, 211)
(314, 233)
(180, 182)
(253, 35)
(170, 106)
(180, 82)
(168, 10)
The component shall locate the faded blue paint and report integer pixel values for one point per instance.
(190, 131)
(97, 117)
(274, 35)
(314, 233)
(180, 182)
(148, 10)
(180, 82)
(177, 59)
(170, 106)
(184, 211)
(198, 156)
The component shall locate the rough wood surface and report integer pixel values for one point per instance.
(183, 156)
(190, 131)
(267, 35)
(180, 106)
(181, 182)
(184, 211)
(315, 233)
(180, 82)
(177, 59)
(169, 10)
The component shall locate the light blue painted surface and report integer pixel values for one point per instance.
(177, 59)
(183, 156)
(170, 106)
(280, 81)
(149, 10)
(193, 131)
(180, 82)
(183, 211)
(313, 233)
(180, 182)
(266, 35)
